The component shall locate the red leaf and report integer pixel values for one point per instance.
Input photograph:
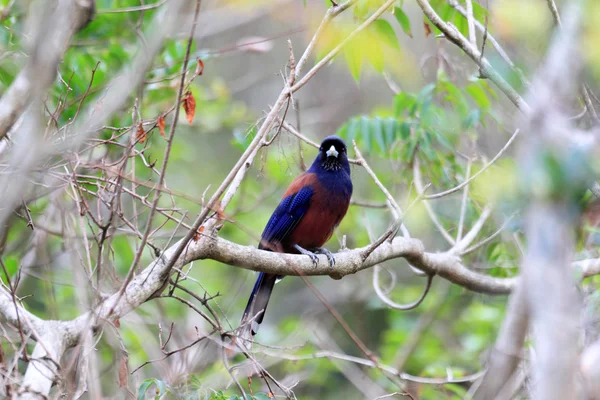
(161, 125)
(427, 29)
(189, 105)
(140, 134)
(199, 67)
(117, 323)
(123, 371)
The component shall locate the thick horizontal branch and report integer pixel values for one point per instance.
(445, 265)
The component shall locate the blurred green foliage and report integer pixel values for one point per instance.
(454, 326)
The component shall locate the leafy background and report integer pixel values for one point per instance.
(441, 112)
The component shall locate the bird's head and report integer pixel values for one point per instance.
(332, 155)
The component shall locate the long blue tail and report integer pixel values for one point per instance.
(259, 299)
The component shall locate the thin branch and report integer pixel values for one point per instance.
(482, 170)
(432, 215)
(482, 28)
(463, 205)
(470, 23)
(489, 238)
(389, 302)
(584, 91)
(452, 34)
(132, 9)
(370, 363)
(472, 234)
(325, 60)
(51, 41)
(331, 13)
(163, 169)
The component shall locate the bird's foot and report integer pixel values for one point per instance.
(313, 256)
(328, 254)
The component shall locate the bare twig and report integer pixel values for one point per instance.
(482, 170)
(163, 169)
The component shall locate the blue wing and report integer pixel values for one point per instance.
(286, 216)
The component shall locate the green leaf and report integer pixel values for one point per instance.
(12, 265)
(478, 94)
(144, 388)
(377, 130)
(389, 129)
(405, 130)
(479, 12)
(162, 388)
(403, 101)
(441, 139)
(365, 131)
(354, 59)
(352, 130)
(220, 396)
(403, 20)
(473, 119)
(425, 93)
(461, 24)
(261, 396)
(375, 56)
(386, 34)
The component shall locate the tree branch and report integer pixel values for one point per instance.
(473, 52)
(50, 41)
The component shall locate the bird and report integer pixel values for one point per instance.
(311, 208)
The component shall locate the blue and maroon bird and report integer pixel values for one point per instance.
(312, 207)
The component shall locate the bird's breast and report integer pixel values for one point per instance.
(327, 208)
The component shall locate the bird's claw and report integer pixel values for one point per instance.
(313, 256)
(328, 254)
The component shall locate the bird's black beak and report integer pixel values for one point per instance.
(332, 152)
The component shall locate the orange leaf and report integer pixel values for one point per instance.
(189, 105)
(427, 29)
(198, 232)
(199, 67)
(140, 134)
(123, 372)
(161, 125)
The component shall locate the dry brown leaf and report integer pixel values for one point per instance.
(189, 106)
(140, 134)
(161, 125)
(199, 67)
(427, 29)
(123, 371)
(117, 323)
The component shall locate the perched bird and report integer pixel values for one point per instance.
(312, 207)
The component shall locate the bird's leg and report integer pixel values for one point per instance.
(330, 257)
(312, 255)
